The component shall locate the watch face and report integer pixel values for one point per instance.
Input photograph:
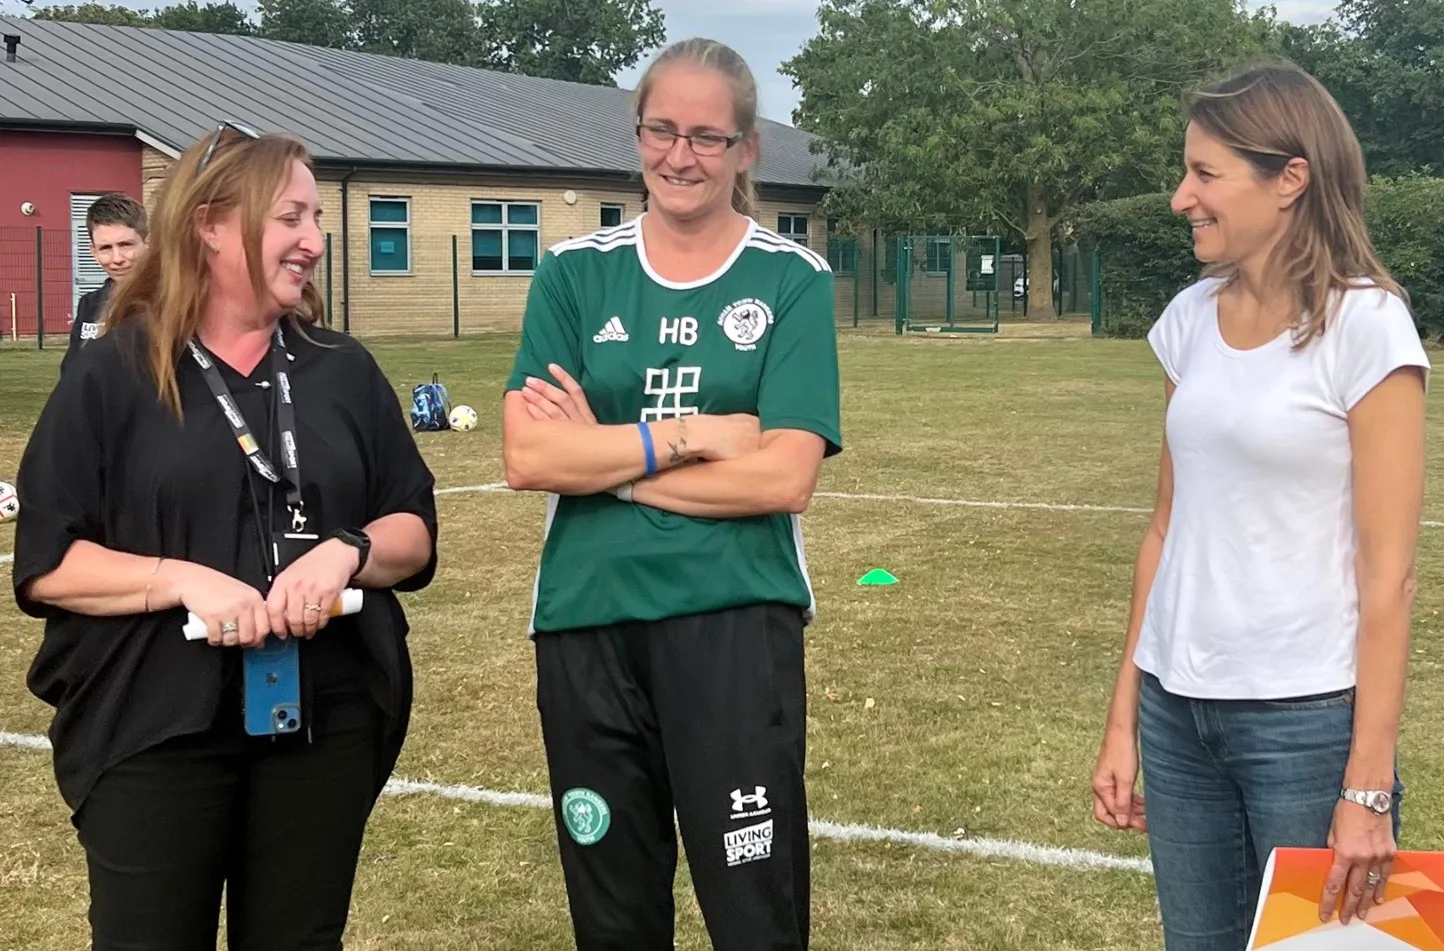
(1379, 802)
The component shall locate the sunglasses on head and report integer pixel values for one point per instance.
(245, 130)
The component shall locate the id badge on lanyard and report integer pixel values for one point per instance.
(271, 692)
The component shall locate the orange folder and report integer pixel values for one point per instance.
(1411, 916)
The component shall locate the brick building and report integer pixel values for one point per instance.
(441, 184)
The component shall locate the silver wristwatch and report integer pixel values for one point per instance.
(1376, 800)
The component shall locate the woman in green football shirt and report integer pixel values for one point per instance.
(675, 393)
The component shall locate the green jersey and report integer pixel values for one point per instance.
(756, 337)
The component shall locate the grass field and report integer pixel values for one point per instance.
(965, 701)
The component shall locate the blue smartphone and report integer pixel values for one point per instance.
(271, 693)
(272, 689)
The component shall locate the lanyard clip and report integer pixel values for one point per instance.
(298, 519)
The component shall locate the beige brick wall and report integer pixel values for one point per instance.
(420, 301)
(154, 164)
(843, 297)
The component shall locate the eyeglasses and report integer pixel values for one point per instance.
(245, 130)
(701, 143)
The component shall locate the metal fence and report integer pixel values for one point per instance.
(459, 284)
(37, 285)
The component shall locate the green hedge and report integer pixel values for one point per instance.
(1406, 223)
(1145, 256)
(1145, 251)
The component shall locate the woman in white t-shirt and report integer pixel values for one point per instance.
(1263, 676)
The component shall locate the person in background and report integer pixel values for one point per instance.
(1263, 676)
(116, 224)
(218, 452)
(675, 394)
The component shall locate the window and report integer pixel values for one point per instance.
(612, 215)
(841, 252)
(940, 255)
(505, 236)
(793, 227)
(390, 235)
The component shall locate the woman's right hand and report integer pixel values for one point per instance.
(1115, 804)
(726, 437)
(217, 599)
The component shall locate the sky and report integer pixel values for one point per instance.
(765, 32)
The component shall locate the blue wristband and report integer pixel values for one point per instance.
(647, 447)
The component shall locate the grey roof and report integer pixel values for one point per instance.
(346, 107)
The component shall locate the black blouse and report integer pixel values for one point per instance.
(109, 463)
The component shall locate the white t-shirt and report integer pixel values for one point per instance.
(1255, 595)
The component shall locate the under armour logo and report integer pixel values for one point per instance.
(757, 800)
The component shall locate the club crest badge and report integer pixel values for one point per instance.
(745, 322)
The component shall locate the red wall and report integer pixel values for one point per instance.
(45, 168)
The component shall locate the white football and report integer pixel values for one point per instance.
(9, 502)
(463, 418)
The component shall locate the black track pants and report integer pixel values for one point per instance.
(703, 714)
(278, 823)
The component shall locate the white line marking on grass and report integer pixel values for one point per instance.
(917, 500)
(488, 487)
(820, 828)
(24, 741)
(975, 503)
(985, 848)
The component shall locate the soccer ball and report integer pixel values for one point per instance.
(9, 502)
(463, 418)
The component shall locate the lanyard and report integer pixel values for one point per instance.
(286, 418)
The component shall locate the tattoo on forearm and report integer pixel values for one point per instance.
(679, 447)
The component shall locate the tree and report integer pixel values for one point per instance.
(1383, 60)
(440, 31)
(94, 13)
(314, 22)
(586, 41)
(211, 18)
(952, 115)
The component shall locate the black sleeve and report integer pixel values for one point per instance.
(81, 312)
(61, 482)
(400, 479)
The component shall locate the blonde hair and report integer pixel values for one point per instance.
(1272, 113)
(711, 54)
(166, 293)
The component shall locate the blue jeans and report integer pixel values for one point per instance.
(1224, 782)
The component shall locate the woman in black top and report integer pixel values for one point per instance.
(219, 453)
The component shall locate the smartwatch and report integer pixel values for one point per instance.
(358, 540)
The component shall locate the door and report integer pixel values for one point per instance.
(87, 272)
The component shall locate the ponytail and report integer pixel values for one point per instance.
(744, 195)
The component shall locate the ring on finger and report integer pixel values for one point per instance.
(313, 607)
(230, 627)
(1374, 878)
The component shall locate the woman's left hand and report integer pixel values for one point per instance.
(546, 401)
(303, 595)
(1363, 844)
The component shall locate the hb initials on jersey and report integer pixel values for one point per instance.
(682, 330)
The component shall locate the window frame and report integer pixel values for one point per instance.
(934, 255)
(372, 224)
(504, 227)
(838, 249)
(621, 209)
(792, 218)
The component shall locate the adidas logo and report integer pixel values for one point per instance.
(613, 330)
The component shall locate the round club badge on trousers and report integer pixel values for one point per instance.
(586, 815)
